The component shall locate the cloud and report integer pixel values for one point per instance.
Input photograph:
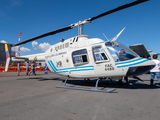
(35, 45)
(3, 41)
(22, 49)
(44, 46)
(14, 48)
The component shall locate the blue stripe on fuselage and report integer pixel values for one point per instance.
(72, 69)
(131, 62)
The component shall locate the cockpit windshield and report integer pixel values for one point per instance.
(120, 52)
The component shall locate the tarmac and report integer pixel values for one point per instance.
(36, 98)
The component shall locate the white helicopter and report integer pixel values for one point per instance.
(81, 57)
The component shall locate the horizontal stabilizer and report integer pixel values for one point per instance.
(24, 58)
(34, 57)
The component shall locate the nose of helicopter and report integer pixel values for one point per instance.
(141, 68)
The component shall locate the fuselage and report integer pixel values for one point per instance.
(81, 57)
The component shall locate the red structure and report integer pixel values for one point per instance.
(13, 67)
(19, 35)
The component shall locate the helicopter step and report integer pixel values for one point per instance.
(86, 89)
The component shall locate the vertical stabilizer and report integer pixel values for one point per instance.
(7, 57)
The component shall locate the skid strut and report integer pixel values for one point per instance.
(86, 89)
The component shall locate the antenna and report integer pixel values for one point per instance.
(115, 38)
(106, 37)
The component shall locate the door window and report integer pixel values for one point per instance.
(99, 54)
(80, 57)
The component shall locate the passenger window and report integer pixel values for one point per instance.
(80, 57)
(99, 54)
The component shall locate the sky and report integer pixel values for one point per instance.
(36, 17)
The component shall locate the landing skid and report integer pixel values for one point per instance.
(85, 89)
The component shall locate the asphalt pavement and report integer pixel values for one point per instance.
(36, 98)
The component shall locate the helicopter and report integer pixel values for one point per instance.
(81, 57)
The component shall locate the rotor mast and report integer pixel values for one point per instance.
(80, 25)
(80, 30)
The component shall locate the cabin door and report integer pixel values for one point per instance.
(102, 63)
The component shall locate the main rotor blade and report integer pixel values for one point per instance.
(118, 8)
(44, 35)
(81, 23)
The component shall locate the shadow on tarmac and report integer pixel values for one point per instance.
(133, 84)
(40, 78)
